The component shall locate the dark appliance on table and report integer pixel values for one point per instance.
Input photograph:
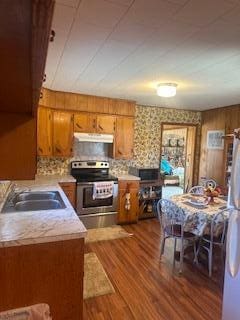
(150, 190)
(145, 174)
(94, 213)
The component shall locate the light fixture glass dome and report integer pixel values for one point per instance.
(166, 90)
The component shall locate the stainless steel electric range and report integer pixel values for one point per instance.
(94, 213)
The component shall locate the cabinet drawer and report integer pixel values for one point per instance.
(123, 185)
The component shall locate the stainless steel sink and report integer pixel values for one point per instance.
(35, 195)
(33, 201)
(33, 205)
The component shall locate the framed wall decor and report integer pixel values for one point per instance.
(215, 139)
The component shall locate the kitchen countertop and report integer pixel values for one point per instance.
(54, 178)
(31, 227)
(128, 177)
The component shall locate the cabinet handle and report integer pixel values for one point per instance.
(52, 35)
(78, 126)
(94, 123)
(114, 126)
(41, 95)
(100, 127)
(40, 149)
(49, 148)
(57, 149)
(119, 152)
(44, 77)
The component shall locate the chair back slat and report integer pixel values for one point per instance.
(199, 190)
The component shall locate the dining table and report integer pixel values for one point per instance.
(198, 212)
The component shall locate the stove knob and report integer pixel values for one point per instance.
(105, 164)
(101, 164)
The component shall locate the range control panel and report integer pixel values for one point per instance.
(89, 164)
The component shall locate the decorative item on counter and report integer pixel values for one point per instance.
(211, 193)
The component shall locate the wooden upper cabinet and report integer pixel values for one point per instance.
(106, 124)
(87, 122)
(124, 138)
(62, 134)
(44, 132)
(84, 122)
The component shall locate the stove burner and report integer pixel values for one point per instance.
(91, 171)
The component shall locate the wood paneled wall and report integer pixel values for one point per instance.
(17, 146)
(86, 103)
(211, 161)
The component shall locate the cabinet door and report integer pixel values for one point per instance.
(62, 134)
(124, 138)
(44, 132)
(106, 124)
(128, 216)
(84, 122)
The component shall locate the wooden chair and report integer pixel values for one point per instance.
(173, 222)
(197, 190)
(215, 235)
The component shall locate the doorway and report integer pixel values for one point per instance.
(177, 157)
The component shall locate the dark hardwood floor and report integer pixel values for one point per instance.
(146, 288)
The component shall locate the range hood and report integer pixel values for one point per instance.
(93, 137)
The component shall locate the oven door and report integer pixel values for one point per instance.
(87, 205)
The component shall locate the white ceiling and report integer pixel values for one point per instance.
(123, 48)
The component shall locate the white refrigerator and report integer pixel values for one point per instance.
(231, 293)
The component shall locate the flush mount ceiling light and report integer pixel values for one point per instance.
(166, 90)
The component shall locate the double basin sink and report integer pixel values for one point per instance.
(33, 201)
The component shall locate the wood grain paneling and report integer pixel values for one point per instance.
(212, 161)
(49, 273)
(18, 145)
(87, 103)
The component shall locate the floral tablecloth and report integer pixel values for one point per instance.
(199, 217)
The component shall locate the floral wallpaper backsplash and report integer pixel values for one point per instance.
(147, 141)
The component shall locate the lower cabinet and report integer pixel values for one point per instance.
(69, 189)
(49, 273)
(128, 205)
